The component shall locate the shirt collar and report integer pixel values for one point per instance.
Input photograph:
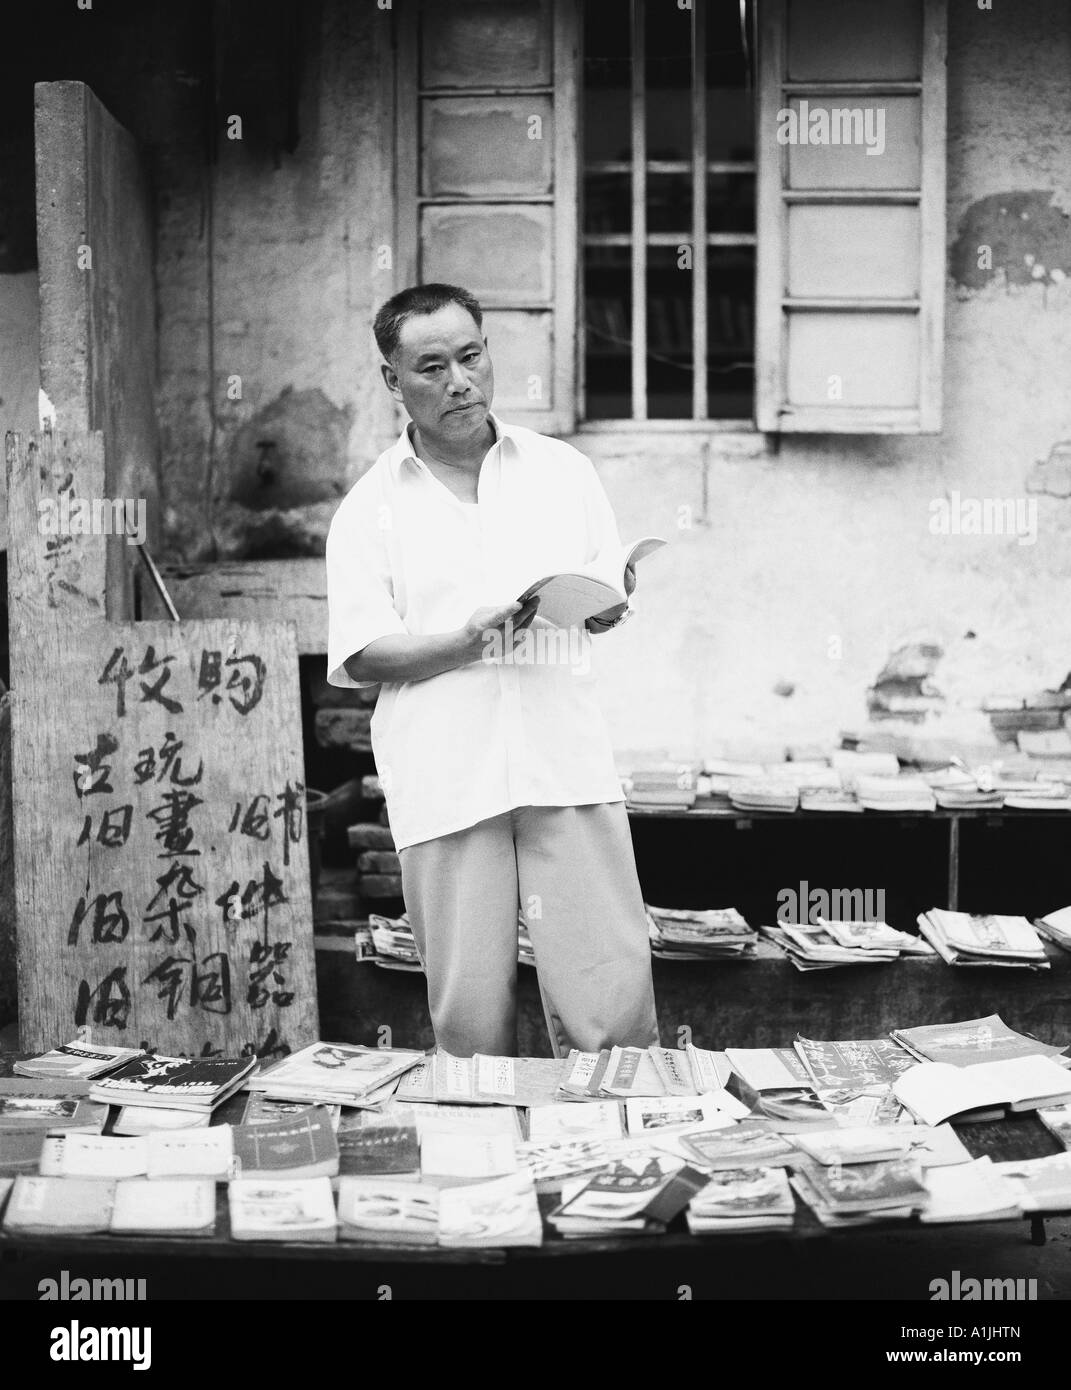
(401, 451)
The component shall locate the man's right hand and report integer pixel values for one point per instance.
(509, 619)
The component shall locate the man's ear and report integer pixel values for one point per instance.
(390, 376)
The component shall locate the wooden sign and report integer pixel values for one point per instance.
(169, 894)
(162, 866)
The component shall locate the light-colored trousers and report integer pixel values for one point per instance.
(572, 872)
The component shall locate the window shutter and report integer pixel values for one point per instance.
(851, 215)
(487, 184)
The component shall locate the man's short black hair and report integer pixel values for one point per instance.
(418, 299)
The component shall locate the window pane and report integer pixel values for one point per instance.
(854, 142)
(607, 81)
(730, 202)
(876, 251)
(667, 43)
(669, 204)
(486, 43)
(520, 348)
(853, 359)
(730, 332)
(843, 40)
(607, 203)
(501, 253)
(669, 336)
(608, 332)
(730, 95)
(476, 146)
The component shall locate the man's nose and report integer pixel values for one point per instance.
(459, 379)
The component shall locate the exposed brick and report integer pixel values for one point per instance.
(379, 861)
(367, 836)
(344, 728)
(381, 885)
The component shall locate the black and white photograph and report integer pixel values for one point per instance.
(536, 541)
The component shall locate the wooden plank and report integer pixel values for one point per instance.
(639, 217)
(98, 316)
(53, 576)
(932, 213)
(161, 854)
(294, 590)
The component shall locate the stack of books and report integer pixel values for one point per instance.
(838, 798)
(962, 939)
(639, 1194)
(178, 1083)
(742, 1199)
(764, 794)
(974, 1040)
(851, 1194)
(134, 1206)
(957, 788)
(76, 1061)
(336, 1074)
(394, 943)
(711, 934)
(904, 793)
(667, 788)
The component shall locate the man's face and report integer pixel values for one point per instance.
(442, 374)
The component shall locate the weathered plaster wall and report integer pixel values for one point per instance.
(18, 364)
(283, 261)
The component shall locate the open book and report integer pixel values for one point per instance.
(567, 600)
(935, 1091)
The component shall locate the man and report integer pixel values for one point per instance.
(498, 773)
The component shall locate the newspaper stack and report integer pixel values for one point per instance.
(827, 944)
(903, 793)
(960, 939)
(714, 934)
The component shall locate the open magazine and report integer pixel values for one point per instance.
(567, 600)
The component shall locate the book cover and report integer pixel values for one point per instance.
(49, 1112)
(596, 1120)
(262, 1110)
(553, 1162)
(740, 1198)
(304, 1146)
(296, 1209)
(646, 1115)
(835, 1066)
(386, 1212)
(389, 1151)
(974, 1040)
(447, 1160)
(142, 1119)
(45, 1205)
(857, 1187)
(201, 1153)
(78, 1155)
(20, 1150)
(503, 1212)
(859, 1145)
(171, 1206)
(334, 1072)
(768, 1068)
(178, 1082)
(751, 1143)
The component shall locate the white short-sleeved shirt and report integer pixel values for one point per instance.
(404, 555)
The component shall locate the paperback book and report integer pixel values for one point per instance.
(173, 1206)
(383, 1211)
(59, 1206)
(298, 1209)
(76, 1061)
(304, 1146)
(503, 1212)
(743, 1199)
(174, 1082)
(936, 1091)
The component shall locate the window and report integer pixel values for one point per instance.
(668, 191)
(679, 216)
(851, 215)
